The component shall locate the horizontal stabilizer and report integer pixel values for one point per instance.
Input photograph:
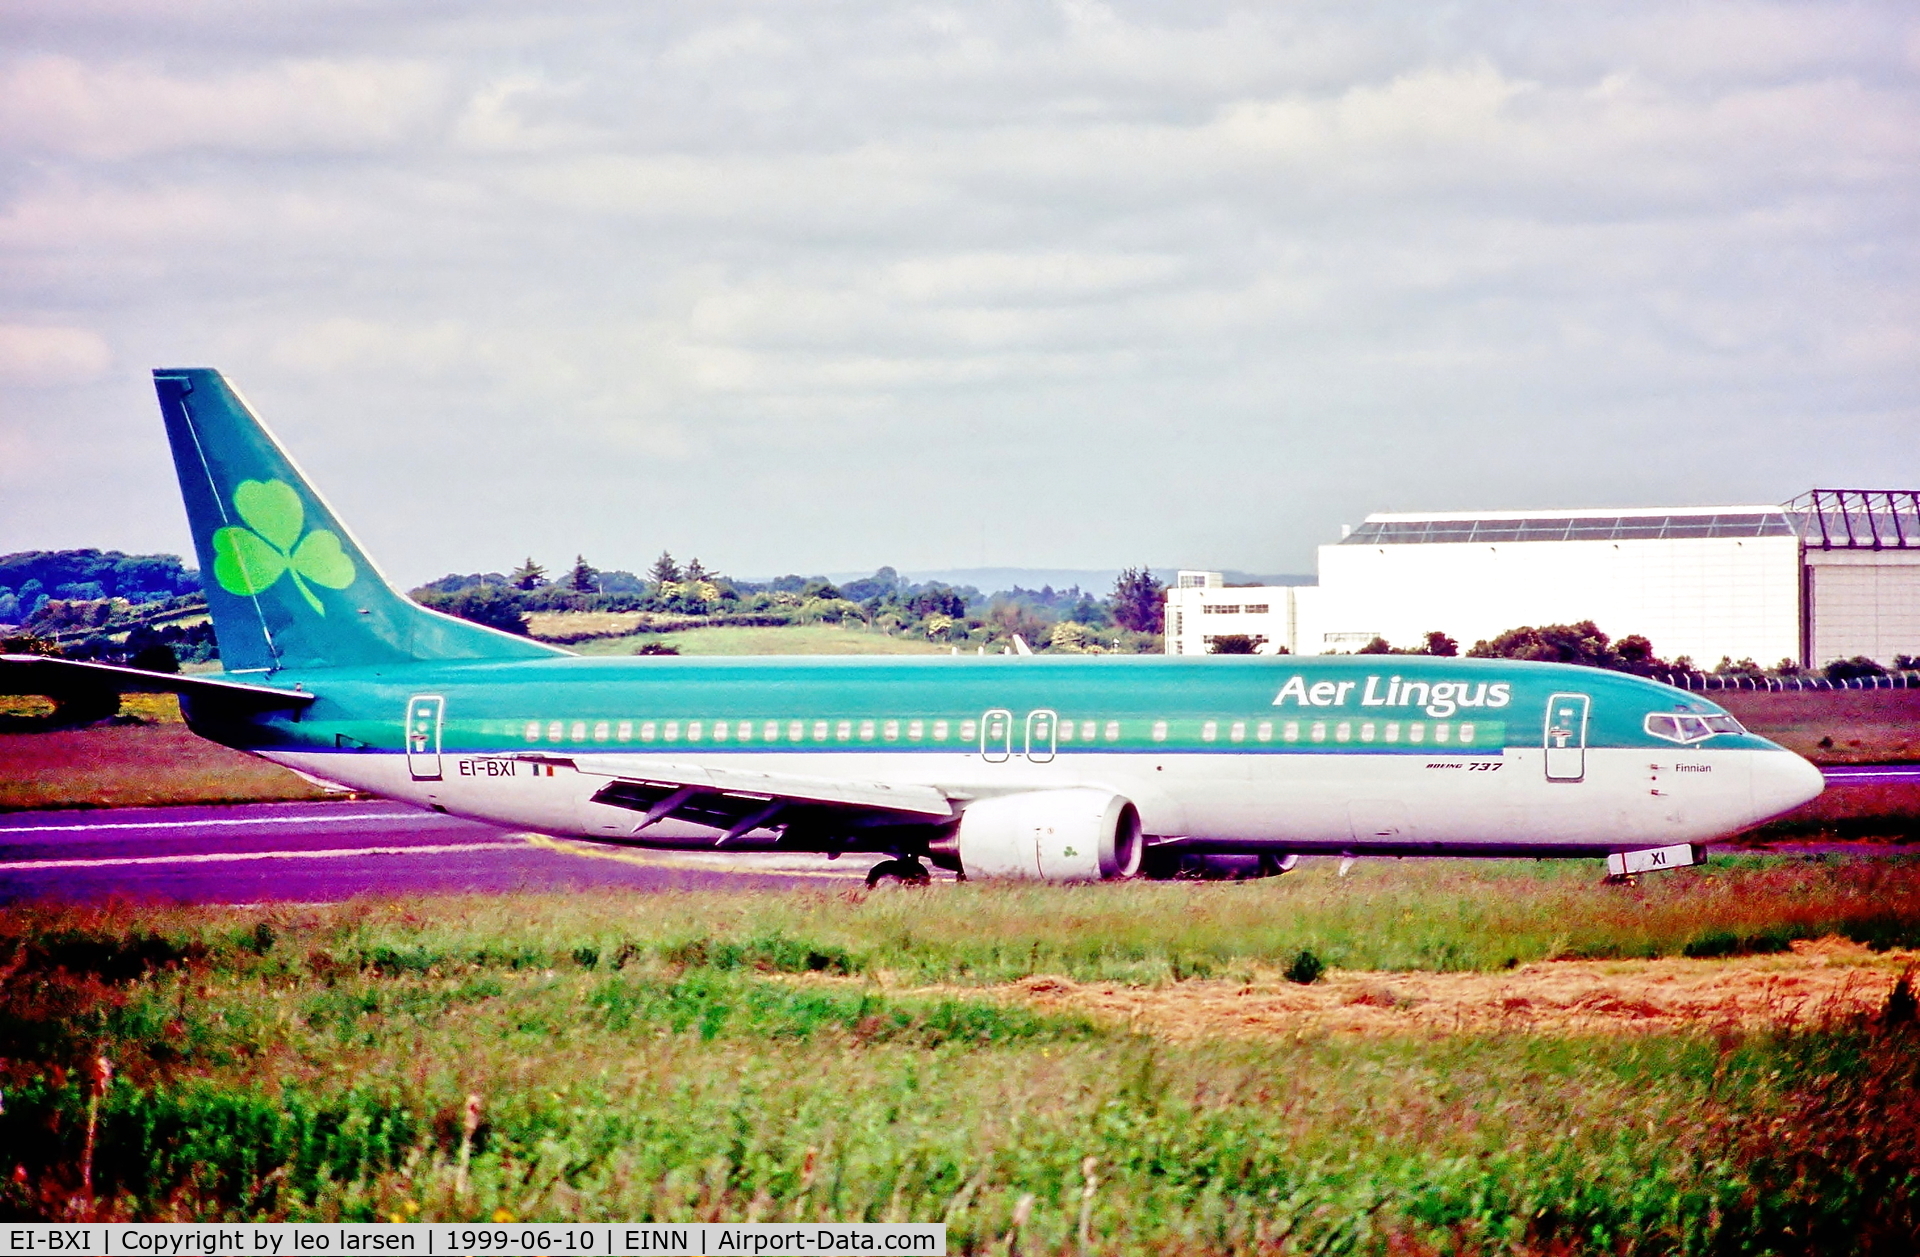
(36, 674)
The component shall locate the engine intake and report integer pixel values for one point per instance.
(1080, 835)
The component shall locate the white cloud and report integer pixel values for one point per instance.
(711, 46)
(47, 357)
(65, 105)
(496, 118)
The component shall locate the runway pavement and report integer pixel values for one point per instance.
(326, 852)
(1872, 774)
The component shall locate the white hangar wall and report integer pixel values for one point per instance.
(1702, 597)
(1863, 602)
(1833, 574)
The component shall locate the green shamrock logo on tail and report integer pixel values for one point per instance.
(247, 561)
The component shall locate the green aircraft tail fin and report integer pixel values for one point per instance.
(287, 584)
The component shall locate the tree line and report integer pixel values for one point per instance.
(103, 604)
(1126, 619)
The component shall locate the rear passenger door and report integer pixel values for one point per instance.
(424, 716)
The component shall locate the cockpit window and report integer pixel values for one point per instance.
(1687, 729)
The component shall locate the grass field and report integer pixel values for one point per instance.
(134, 765)
(796, 639)
(1834, 726)
(856, 1057)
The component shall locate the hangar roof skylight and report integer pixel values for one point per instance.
(1639, 526)
(1859, 519)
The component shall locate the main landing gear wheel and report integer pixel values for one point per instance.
(898, 873)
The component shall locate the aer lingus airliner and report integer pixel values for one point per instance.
(1060, 769)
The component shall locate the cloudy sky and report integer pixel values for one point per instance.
(821, 286)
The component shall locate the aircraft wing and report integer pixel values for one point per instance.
(740, 800)
(36, 674)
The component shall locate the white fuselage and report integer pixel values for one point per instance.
(1626, 799)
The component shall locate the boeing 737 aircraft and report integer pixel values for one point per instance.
(1059, 769)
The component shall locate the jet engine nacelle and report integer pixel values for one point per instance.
(1082, 835)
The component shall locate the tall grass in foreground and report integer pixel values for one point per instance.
(300, 1069)
(602, 1058)
(1449, 915)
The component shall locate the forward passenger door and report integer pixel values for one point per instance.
(1566, 737)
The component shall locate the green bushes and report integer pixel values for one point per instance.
(714, 1003)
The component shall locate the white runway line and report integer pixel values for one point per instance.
(769, 865)
(252, 820)
(231, 857)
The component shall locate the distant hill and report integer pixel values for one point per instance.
(1097, 581)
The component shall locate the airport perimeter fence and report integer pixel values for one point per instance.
(1705, 681)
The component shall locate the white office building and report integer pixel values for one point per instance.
(1201, 606)
(1830, 575)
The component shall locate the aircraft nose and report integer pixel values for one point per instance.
(1783, 781)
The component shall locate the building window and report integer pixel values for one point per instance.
(1222, 608)
(1258, 608)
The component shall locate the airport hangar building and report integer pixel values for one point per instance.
(1832, 574)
